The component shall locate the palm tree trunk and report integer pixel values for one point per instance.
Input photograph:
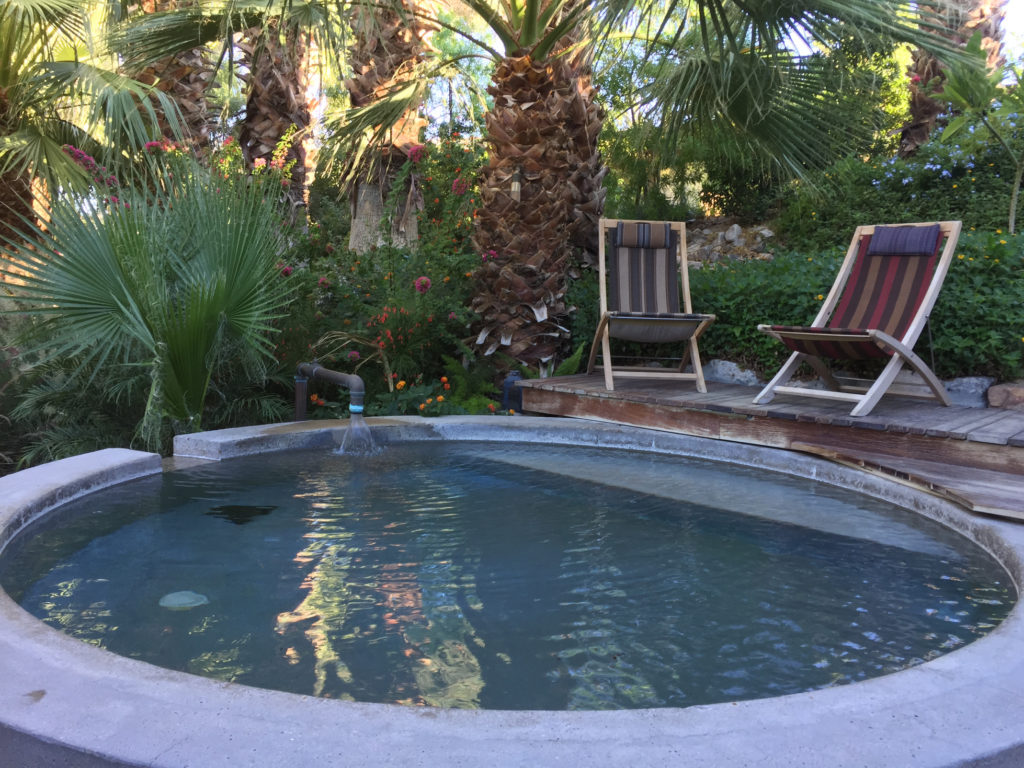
(963, 18)
(387, 49)
(280, 97)
(541, 197)
(186, 78)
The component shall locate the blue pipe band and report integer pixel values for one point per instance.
(356, 408)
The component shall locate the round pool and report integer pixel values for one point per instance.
(506, 576)
(72, 703)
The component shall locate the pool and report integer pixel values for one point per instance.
(475, 574)
(961, 705)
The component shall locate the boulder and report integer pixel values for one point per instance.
(1009, 395)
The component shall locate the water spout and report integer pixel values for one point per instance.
(357, 439)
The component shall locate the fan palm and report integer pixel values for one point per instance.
(50, 97)
(175, 284)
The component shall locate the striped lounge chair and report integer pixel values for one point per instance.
(877, 308)
(640, 277)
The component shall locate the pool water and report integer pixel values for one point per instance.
(506, 576)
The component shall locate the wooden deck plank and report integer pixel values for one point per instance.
(986, 491)
(902, 427)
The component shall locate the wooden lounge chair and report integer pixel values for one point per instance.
(877, 308)
(640, 277)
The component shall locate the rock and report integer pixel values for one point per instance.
(727, 372)
(734, 233)
(969, 391)
(1009, 395)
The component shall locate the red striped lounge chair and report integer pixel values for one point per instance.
(641, 278)
(877, 308)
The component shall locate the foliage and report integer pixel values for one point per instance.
(55, 92)
(390, 314)
(941, 182)
(987, 103)
(978, 321)
(161, 295)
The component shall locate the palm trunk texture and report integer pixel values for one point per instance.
(963, 19)
(540, 196)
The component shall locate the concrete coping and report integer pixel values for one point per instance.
(67, 703)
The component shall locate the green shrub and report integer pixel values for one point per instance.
(942, 182)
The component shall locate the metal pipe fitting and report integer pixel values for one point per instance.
(350, 381)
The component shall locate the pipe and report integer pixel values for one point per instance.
(350, 381)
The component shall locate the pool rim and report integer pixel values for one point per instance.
(64, 702)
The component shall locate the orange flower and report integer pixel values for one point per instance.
(422, 406)
(440, 398)
(444, 379)
(400, 385)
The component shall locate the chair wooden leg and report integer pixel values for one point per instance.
(918, 365)
(698, 369)
(593, 347)
(785, 374)
(879, 388)
(606, 352)
(823, 372)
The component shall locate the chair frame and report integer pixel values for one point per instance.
(867, 397)
(603, 333)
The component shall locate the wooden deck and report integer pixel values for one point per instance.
(974, 456)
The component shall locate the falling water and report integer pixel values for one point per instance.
(357, 440)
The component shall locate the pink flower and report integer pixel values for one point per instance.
(353, 355)
(451, 315)
(422, 284)
(285, 271)
(323, 282)
(915, 79)
(259, 162)
(460, 186)
(416, 152)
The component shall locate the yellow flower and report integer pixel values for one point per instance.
(954, 186)
(820, 297)
(959, 255)
(1002, 242)
(999, 231)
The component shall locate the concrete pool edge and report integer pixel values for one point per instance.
(63, 702)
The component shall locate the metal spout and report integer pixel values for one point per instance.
(350, 381)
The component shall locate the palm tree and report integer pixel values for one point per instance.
(541, 184)
(959, 20)
(274, 48)
(174, 284)
(389, 47)
(49, 98)
(186, 77)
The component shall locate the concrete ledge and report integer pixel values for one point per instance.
(65, 703)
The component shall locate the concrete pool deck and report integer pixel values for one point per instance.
(66, 703)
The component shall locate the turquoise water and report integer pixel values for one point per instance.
(497, 576)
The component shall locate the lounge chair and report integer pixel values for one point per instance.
(877, 308)
(640, 277)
